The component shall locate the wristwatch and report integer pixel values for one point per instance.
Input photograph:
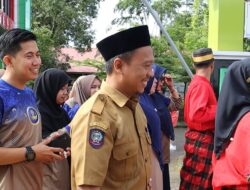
(30, 154)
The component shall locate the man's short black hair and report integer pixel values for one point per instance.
(10, 41)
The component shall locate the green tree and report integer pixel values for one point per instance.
(134, 11)
(68, 20)
(46, 46)
(197, 36)
(166, 58)
(167, 9)
(131, 11)
(246, 44)
(98, 64)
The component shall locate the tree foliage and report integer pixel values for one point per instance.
(98, 64)
(185, 20)
(58, 23)
(46, 46)
(199, 27)
(131, 11)
(68, 20)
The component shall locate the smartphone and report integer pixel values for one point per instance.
(62, 141)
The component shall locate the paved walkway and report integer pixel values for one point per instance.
(177, 158)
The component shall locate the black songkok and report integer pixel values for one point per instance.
(124, 41)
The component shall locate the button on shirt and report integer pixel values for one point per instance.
(110, 144)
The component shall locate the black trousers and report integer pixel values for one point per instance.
(166, 180)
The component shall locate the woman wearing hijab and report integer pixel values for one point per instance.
(232, 130)
(51, 90)
(83, 88)
(154, 127)
(164, 105)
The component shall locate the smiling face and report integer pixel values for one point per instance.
(25, 64)
(136, 73)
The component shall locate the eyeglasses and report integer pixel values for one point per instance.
(95, 86)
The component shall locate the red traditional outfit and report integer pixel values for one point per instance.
(199, 115)
(233, 167)
(231, 160)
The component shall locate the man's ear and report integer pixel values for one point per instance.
(117, 65)
(7, 60)
(212, 67)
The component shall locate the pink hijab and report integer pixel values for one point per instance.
(81, 90)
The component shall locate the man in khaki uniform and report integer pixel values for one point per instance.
(110, 141)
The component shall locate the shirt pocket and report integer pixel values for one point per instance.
(124, 163)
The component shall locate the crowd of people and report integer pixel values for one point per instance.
(116, 133)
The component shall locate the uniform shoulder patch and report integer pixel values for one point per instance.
(99, 104)
(96, 138)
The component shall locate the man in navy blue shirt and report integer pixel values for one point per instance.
(21, 148)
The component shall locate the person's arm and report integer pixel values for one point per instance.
(71, 111)
(174, 93)
(175, 103)
(90, 157)
(43, 152)
(87, 187)
(168, 80)
(12, 155)
(176, 100)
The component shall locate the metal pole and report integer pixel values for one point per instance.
(169, 39)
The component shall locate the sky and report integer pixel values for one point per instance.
(102, 24)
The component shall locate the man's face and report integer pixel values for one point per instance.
(136, 73)
(26, 63)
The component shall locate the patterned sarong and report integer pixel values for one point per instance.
(196, 172)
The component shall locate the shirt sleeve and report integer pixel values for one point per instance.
(201, 110)
(91, 147)
(71, 111)
(175, 103)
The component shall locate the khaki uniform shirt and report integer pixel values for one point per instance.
(110, 143)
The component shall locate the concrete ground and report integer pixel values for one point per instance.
(177, 158)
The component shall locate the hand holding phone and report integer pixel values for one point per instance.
(60, 139)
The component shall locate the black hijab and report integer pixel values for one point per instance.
(46, 88)
(233, 103)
